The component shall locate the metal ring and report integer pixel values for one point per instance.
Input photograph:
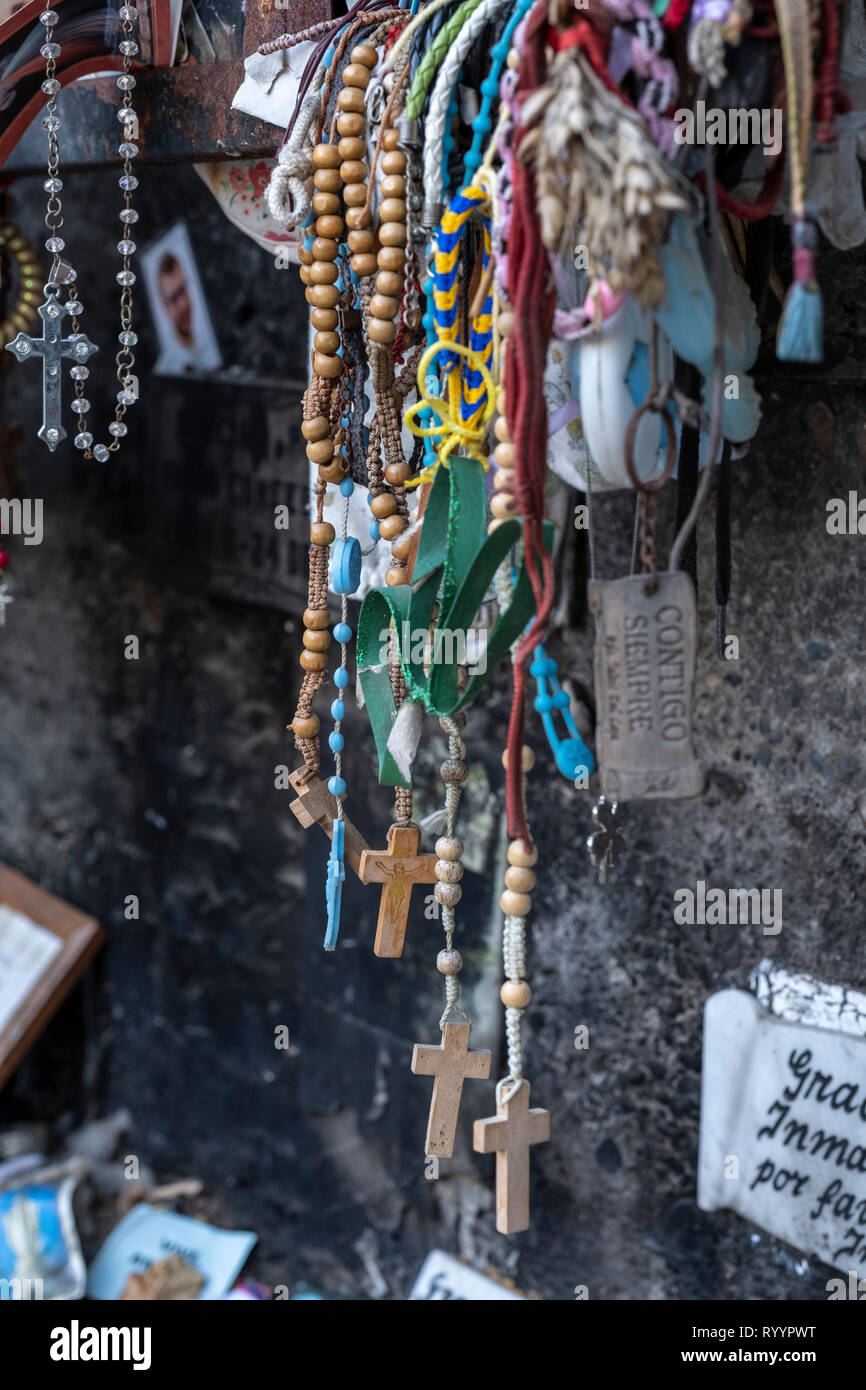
(652, 485)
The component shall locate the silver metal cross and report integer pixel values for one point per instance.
(52, 347)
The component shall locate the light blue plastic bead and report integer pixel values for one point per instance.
(342, 633)
(336, 742)
(537, 669)
(338, 709)
(374, 530)
(561, 700)
(341, 678)
(544, 703)
(347, 487)
(336, 786)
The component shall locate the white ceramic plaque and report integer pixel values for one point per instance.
(442, 1277)
(783, 1128)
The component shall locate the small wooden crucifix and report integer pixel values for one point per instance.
(52, 348)
(315, 805)
(398, 869)
(451, 1063)
(509, 1134)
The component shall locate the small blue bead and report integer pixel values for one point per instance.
(549, 667)
(342, 633)
(341, 678)
(336, 786)
(374, 530)
(537, 669)
(544, 703)
(472, 162)
(336, 742)
(561, 700)
(338, 709)
(347, 487)
(499, 52)
(490, 87)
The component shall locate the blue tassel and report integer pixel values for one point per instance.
(801, 328)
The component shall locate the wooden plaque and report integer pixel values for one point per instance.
(45, 945)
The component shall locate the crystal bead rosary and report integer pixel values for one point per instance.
(52, 347)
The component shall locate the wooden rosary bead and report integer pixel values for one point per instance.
(387, 282)
(321, 533)
(383, 505)
(314, 661)
(355, 195)
(316, 619)
(506, 322)
(390, 137)
(515, 994)
(356, 75)
(364, 53)
(447, 894)
(323, 273)
(320, 450)
(503, 454)
(317, 641)
(449, 962)
(351, 147)
(326, 342)
(327, 180)
(527, 761)
(326, 204)
(515, 904)
(361, 240)
(395, 575)
(503, 482)
(448, 847)
(304, 275)
(357, 218)
(448, 870)
(519, 880)
(354, 171)
(331, 227)
(325, 248)
(391, 528)
(382, 330)
(306, 728)
(521, 855)
(501, 430)
(392, 234)
(397, 473)
(392, 258)
(503, 505)
(305, 256)
(401, 549)
(323, 296)
(453, 771)
(317, 428)
(393, 186)
(324, 320)
(392, 210)
(351, 99)
(364, 264)
(328, 367)
(332, 472)
(382, 306)
(350, 123)
(393, 162)
(325, 157)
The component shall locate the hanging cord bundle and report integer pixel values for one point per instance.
(801, 327)
(533, 299)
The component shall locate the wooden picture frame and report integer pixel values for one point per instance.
(50, 943)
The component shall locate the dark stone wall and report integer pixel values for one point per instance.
(156, 778)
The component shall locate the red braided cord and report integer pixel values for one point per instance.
(533, 298)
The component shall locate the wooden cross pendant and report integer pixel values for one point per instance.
(315, 805)
(398, 869)
(509, 1134)
(52, 347)
(451, 1064)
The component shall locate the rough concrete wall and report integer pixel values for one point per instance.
(156, 778)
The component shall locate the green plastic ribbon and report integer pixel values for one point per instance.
(455, 564)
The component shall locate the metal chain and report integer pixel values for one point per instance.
(61, 271)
